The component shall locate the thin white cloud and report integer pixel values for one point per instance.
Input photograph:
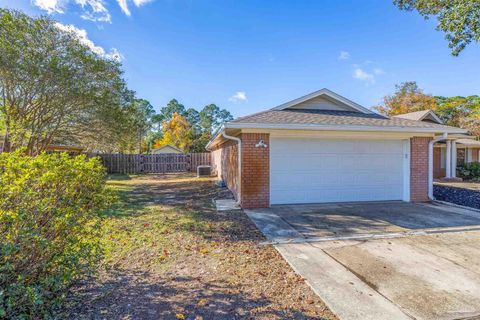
(239, 96)
(378, 71)
(139, 3)
(344, 55)
(82, 36)
(51, 6)
(362, 75)
(93, 10)
(124, 6)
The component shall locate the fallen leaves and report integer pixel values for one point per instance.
(209, 265)
(201, 302)
(204, 251)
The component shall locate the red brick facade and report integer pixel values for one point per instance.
(225, 164)
(255, 191)
(419, 169)
(255, 184)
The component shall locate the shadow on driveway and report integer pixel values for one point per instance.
(346, 219)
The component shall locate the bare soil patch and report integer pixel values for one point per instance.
(170, 255)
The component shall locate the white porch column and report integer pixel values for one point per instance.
(448, 160)
(454, 159)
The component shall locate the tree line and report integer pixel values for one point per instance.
(54, 90)
(187, 129)
(455, 111)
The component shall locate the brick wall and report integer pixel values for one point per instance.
(255, 171)
(419, 169)
(225, 164)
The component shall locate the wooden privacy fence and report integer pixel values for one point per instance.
(153, 163)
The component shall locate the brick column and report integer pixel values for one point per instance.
(419, 169)
(255, 190)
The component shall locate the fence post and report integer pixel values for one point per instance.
(188, 160)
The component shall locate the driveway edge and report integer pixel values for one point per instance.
(343, 292)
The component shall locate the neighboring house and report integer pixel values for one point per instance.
(166, 149)
(447, 154)
(55, 148)
(325, 148)
(64, 148)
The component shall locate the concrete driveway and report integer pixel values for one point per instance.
(388, 260)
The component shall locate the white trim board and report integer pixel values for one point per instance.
(406, 170)
(239, 125)
(326, 171)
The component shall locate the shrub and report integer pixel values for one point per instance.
(49, 228)
(470, 171)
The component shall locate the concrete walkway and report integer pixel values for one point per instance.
(435, 275)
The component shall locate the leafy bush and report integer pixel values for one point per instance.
(470, 171)
(49, 228)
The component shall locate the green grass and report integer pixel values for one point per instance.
(140, 233)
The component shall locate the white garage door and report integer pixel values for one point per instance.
(320, 170)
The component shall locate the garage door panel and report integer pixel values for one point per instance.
(318, 170)
(300, 180)
(356, 147)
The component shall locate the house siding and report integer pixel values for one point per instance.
(438, 171)
(419, 169)
(225, 165)
(255, 191)
(166, 149)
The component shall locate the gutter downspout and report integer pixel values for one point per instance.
(430, 163)
(239, 153)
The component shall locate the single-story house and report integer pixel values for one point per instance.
(167, 149)
(323, 147)
(449, 154)
(64, 148)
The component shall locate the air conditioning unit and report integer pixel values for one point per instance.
(204, 171)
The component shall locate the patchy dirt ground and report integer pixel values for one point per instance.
(170, 255)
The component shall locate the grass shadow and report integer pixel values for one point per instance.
(118, 177)
(143, 295)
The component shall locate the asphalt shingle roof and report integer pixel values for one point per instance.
(417, 115)
(327, 117)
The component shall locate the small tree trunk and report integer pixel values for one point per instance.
(6, 139)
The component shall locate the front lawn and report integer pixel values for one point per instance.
(170, 255)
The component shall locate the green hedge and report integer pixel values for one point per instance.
(49, 228)
(470, 171)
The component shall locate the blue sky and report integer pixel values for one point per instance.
(248, 55)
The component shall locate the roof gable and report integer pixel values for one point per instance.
(323, 99)
(168, 148)
(424, 115)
